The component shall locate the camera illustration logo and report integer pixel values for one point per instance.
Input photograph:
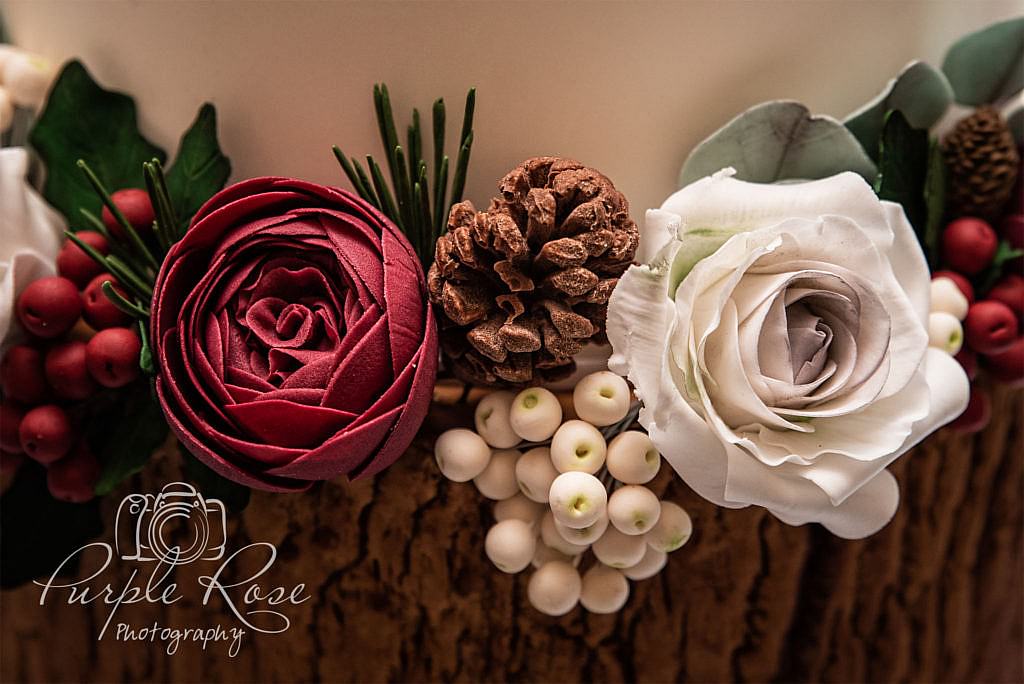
(176, 526)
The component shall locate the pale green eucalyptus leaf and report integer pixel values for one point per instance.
(988, 65)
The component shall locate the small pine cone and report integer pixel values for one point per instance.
(983, 163)
(524, 285)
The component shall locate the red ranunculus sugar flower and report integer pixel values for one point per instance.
(292, 336)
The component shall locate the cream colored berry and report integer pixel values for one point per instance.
(577, 499)
(649, 566)
(604, 590)
(545, 554)
(946, 296)
(554, 589)
(583, 535)
(498, 479)
(633, 458)
(27, 78)
(601, 398)
(519, 507)
(461, 454)
(535, 414)
(578, 446)
(619, 550)
(672, 530)
(510, 544)
(492, 420)
(945, 332)
(535, 473)
(633, 509)
(550, 535)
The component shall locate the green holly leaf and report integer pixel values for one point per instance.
(919, 91)
(200, 168)
(777, 141)
(987, 65)
(139, 428)
(84, 121)
(903, 156)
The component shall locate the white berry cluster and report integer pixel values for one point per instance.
(948, 308)
(524, 456)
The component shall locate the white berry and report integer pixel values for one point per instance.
(619, 550)
(6, 110)
(545, 554)
(604, 589)
(518, 507)
(578, 446)
(510, 545)
(649, 566)
(554, 589)
(601, 398)
(633, 458)
(550, 535)
(492, 420)
(583, 535)
(946, 296)
(633, 509)
(27, 78)
(461, 454)
(535, 414)
(498, 480)
(945, 332)
(535, 473)
(577, 499)
(672, 530)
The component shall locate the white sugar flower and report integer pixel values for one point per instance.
(777, 337)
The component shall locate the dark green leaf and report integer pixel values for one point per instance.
(991, 275)
(126, 435)
(83, 121)
(146, 353)
(200, 168)
(37, 532)
(935, 203)
(902, 168)
(987, 65)
(213, 486)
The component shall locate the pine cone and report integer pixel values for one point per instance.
(523, 285)
(983, 163)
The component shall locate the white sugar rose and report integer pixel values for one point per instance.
(777, 337)
(32, 234)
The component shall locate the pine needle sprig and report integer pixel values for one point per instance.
(418, 199)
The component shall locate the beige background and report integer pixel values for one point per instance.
(627, 87)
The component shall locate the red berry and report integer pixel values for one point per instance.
(77, 266)
(9, 463)
(113, 356)
(1012, 230)
(136, 207)
(67, 372)
(990, 327)
(49, 307)
(98, 310)
(46, 433)
(74, 478)
(968, 245)
(21, 375)
(968, 360)
(10, 422)
(977, 414)
(960, 281)
(1010, 291)
(1008, 366)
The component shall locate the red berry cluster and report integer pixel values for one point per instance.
(993, 332)
(65, 363)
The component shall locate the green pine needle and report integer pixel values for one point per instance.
(419, 209)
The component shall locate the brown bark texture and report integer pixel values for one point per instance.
(401, 590)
